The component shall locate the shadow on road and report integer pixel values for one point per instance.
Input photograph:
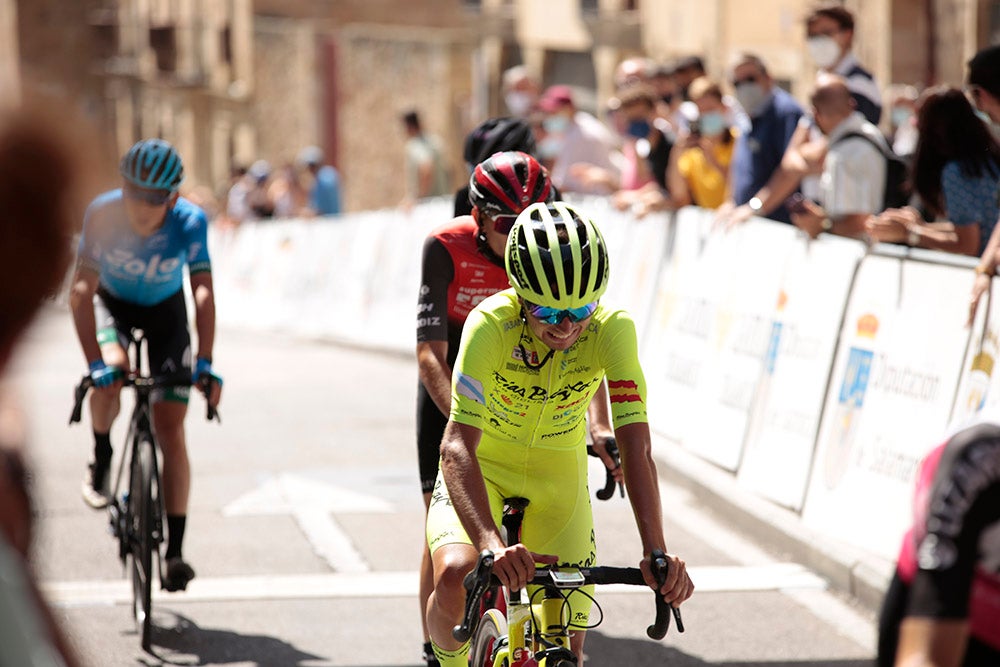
(604, 650)
(184, 642)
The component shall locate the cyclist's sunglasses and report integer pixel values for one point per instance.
(502, 224)
(556, 315)
(151, 197)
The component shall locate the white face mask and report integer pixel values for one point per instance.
(518, 103)
(824, 50)
(752, 97)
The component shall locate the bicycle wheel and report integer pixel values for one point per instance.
(141, 508)
(492, 628)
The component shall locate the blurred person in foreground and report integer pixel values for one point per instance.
(852, 184)
(38, 176)
(135, 244)
(956, 173)
(942, 607)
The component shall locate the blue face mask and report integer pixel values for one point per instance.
(638, 128)
(712, 123)
(555, 124)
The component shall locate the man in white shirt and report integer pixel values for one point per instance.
(576, 142)
(852, 185)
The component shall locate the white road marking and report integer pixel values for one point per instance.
(709, 579)
(312, 504)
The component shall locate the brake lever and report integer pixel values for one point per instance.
(476, 582)
(658, 630)
(609, 480)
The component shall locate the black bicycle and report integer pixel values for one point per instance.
(135, 509)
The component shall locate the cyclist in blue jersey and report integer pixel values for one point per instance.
(135, 244)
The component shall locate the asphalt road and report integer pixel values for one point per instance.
(305, 530)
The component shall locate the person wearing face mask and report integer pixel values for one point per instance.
(646, 151)
(902, 119)
(583, 152)
(520, 91)
(852, 185)
(829, 38)
(773, 117)
(699, 170)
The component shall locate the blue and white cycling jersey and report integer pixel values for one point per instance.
(137, 269)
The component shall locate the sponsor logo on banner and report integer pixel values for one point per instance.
(623, 391)
(850, 399)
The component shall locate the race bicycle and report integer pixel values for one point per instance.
(510, 629)
(135, 509)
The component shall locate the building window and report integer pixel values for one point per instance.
(589, 5)
(163, 40)
(993, 24)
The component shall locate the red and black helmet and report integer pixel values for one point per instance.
(507, 183)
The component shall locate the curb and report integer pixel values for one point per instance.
(860, 575)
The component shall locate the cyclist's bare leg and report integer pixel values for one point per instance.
(426, 576)
(168, 423)
(447, 602)
(576, 644)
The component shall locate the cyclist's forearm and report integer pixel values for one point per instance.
(642, 483)
(466, 487)
(435, 373)
(81, 303)
(204, 309)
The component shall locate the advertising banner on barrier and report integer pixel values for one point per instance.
(709, 330)
(979, 388)
(788, 399)
(676, 341)
(890, 397)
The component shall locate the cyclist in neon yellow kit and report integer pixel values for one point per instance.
(530, 360)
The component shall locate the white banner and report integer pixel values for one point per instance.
(893, 383)
(788, 399)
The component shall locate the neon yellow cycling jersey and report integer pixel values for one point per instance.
(496, 392)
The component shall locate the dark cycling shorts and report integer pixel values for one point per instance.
(168, 341)
(430, 430)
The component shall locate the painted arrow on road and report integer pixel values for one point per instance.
(312, 504)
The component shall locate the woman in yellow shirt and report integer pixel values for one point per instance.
(698, 172)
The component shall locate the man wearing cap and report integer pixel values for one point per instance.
(581, 149)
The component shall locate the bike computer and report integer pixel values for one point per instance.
(566, 578)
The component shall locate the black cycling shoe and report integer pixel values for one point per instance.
(178, 575)
(429, 656)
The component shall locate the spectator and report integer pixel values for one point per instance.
(520, 91)
(757, 155)
(852, 185)
(942, 607)
(287, 193)
(633, 71)
(956, 171)
(686, 70)
(699, 169)
(324, 195)
(425, 173)
(38, 177)
(581, 148)
(662, 81)
(984, 88)
(646, 151)
(495, 135)
(248, 198)
(830, 36)
(903, 120)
